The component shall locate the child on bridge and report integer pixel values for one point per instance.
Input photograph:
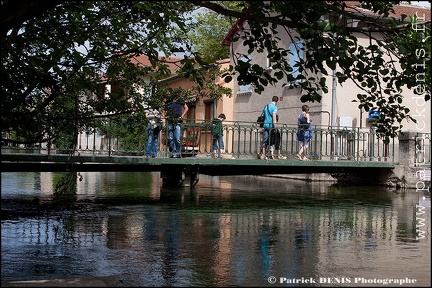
(217, 132)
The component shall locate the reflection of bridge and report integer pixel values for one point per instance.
(331, 151)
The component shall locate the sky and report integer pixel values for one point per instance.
(421, 3)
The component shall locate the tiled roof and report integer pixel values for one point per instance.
(399, 10)
(143, 60)
(353, 6)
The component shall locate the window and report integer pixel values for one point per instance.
(296, 54)
(245, 88)
(269, 63)
(107, 90)
(190, 114)
(209, 110)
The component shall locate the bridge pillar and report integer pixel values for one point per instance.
(180, 175)
(407, 145)
(413, 169)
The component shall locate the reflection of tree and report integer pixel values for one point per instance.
(66, 187)
(64, 229)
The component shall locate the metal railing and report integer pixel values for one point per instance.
(326, 144)
(242, 140)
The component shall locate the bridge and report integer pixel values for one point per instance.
(184, 170)
(18, 162)
(331, 151)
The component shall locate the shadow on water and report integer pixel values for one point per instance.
(245, 192)
(225, 193)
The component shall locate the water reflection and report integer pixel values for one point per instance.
(226, 231)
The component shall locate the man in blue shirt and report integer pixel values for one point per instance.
(270, 113)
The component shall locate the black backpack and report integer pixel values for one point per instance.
(303, 123)
(261, 118)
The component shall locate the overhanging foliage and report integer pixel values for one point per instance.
(53, 54)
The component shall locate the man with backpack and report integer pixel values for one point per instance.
(270, 113)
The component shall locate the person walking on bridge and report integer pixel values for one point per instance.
(275, 144)
(270, 114)
(304, 133)
(154, 126)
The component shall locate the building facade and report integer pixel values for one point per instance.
(336, 108)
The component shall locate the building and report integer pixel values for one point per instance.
(336, 108)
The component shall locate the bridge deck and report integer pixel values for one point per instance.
(16, 162)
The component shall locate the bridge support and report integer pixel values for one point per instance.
(414, 167)
(413, 170)
(180, 175)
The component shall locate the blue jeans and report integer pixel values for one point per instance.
(265, 138)
(152, 142)
(218, 143)
(174, 133)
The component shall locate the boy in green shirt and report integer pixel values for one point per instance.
(217, 132)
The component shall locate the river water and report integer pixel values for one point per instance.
(226, 231)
